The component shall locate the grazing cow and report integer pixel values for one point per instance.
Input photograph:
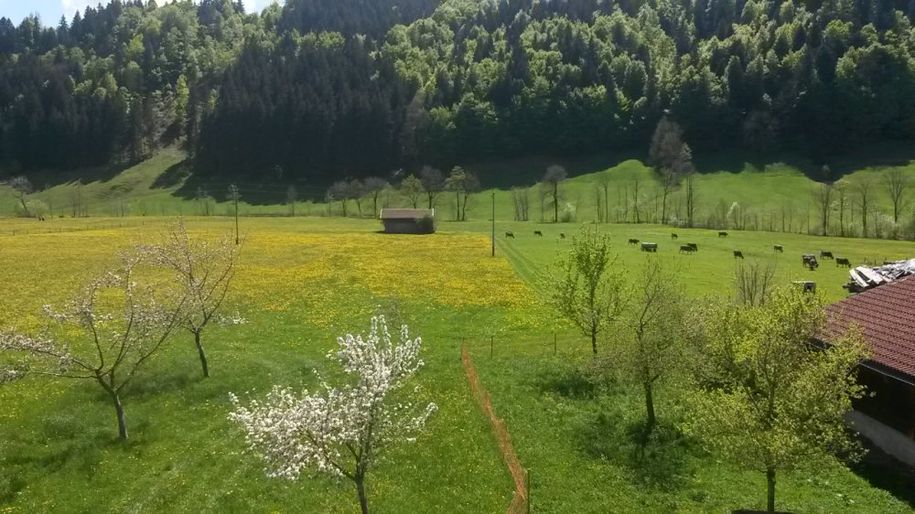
(633, 241)
(510, 234)
(779, 249)
(694, 246)
(538, 233)
(562, 236)
(810, 261)
(825, 255)
(649, 247)
(722, 234)
(687, 249)
(843, 261)
(674, 236)
(738, 254)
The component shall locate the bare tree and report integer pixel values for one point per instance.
(356, 190)
(521, 201)
(433, 183)
(896, 182)
(863, 186)
(754, 282)
(203, 270)
(292, 196)
(603, 181)
(412, 188)
(339, 192)
(554, 176)
(374, 186)
(636, 180)
(106, 335)
(690, 199)
(22, 187)
(841, 188)
(822, 195)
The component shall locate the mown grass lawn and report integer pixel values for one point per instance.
(302, 282)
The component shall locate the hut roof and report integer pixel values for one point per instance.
(407, 214)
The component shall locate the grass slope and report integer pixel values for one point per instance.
(729, 193)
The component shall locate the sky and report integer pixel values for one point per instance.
(51, 10)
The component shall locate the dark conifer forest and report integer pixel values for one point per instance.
(322, 89)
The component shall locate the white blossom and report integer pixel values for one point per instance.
(203, 271)
(115, 325)
(339, 430)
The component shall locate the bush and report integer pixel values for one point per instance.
(426, 225)
(567, 214)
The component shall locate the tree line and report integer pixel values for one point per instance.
(327, 90)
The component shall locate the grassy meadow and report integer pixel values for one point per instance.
(303, 281)
(730, 192)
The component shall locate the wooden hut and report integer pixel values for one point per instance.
(408, 221)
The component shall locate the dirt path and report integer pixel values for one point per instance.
(519, 499)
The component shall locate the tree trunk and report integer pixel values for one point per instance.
(649, 408)
(375, 206)
(556, 202)
(664, 206)
(25, 207)
(594, 340)
(770, 481)
(202, 354)
(122, 419)
(360, 490)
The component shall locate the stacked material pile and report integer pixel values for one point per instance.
(863, 278)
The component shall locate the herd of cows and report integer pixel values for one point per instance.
(809, 260)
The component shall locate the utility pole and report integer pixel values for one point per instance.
(233, 192)
(494, 223)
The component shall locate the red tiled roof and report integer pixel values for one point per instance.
(886, 316)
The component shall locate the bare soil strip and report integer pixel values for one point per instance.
(519, 499)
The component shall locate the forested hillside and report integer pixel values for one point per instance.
(323, 89)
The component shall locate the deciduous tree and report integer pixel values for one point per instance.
(341, 431)
(412, 188)
(433, 183)
(107, 334)
(203, 271)
(896, 182)
(767, 396)
(553, 177)
(585, 286)
(656, 332)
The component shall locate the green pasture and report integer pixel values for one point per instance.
(302, 282)
(729, 193)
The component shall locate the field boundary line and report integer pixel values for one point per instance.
(520, 497)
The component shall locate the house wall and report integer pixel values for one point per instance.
(887, 439)
(404, 226)
(889, 401)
